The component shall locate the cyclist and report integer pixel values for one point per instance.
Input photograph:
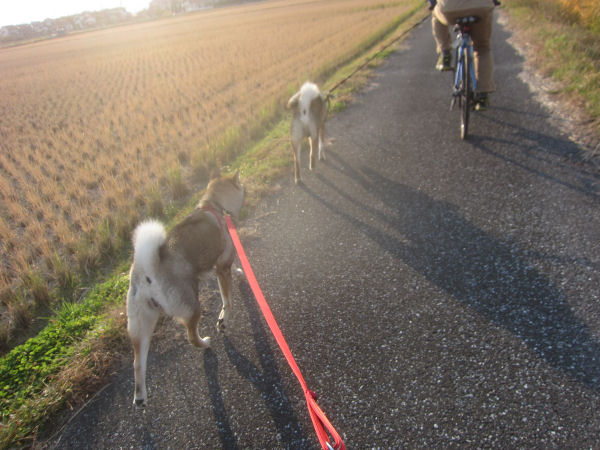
(445, 13)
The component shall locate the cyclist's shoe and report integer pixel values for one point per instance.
(482, 101)
(444, 61)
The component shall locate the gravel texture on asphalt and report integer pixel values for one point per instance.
(435, 293)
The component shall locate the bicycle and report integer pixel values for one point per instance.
(465, 81)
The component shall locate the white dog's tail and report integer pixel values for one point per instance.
(304, 97)
(147, 239)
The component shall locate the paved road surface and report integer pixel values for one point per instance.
(435, 293)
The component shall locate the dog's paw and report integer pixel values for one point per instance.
(139, 402)
(223, 320)
(206, 341)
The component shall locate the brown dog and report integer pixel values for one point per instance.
(166, 267)
(309, 111)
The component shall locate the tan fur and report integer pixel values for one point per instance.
(164, 275)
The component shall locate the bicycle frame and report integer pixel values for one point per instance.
(464, 44)
(465, 81)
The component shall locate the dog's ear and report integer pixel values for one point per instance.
(293, 101)
(236, 178)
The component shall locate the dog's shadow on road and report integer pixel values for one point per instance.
(211, 368)
(485, 273)
(265, 378)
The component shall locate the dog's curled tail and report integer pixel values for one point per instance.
(147, 239)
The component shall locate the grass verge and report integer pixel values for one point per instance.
(564, 41)
(72, 356)
(66, 361)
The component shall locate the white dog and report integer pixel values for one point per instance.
(309, 111)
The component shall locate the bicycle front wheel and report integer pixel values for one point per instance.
(466, 95)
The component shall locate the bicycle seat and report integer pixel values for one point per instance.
(467, 20)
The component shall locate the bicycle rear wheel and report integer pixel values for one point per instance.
(466, 100)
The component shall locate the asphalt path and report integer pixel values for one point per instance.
(435, 293)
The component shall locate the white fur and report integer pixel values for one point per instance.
(308, 92)
(307, 123)
(147, 239)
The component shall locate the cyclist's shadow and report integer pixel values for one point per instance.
(491, 276)
(532, 148)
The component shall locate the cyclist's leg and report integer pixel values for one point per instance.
(441, 34)
(481, 34)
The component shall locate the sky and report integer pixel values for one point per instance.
(16, 12)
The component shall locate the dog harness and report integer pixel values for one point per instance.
(220, 222)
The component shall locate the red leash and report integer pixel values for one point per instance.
(319, 420)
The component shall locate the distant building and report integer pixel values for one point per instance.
(95, 19)
(83, 21)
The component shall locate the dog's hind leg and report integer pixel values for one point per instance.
(224, 278)
(321, 143)
(140, 327)
(191, 324)
(296, 155)
(313, 151)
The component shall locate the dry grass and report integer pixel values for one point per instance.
(563, 41)
(101, 129)
(586, 12)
